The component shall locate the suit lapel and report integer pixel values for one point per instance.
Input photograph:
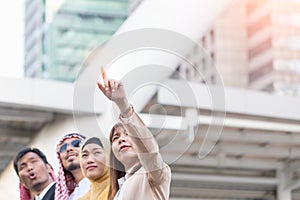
(50, 194)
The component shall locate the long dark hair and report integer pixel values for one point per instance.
(117, 169)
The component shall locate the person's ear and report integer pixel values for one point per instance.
(51, 172)
(49, 168)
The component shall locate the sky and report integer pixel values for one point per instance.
(11, 38)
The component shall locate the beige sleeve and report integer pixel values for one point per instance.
(146, 146)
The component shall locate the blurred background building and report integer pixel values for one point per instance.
(59, 35)
(258, 41)
(255, 39)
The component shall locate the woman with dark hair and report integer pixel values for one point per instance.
(137, 169)
(94, 167)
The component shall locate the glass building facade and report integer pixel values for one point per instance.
(274, 46)
(254, 44)
(60, 34)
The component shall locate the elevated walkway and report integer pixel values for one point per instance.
(257, 137)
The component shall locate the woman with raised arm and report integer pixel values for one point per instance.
(137, 169)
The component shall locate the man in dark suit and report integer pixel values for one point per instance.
(36, 175)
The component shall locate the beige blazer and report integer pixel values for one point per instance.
(152, 180)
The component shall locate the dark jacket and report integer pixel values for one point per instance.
(50, 194)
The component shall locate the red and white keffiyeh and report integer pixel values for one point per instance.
(65, 183)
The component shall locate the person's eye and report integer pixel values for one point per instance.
(76, 143)
(63, 148)
(22, 167)
(98, 152)
(115, 138)
(84, 155)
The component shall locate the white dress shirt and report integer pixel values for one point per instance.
(81, 189)
(121, 182)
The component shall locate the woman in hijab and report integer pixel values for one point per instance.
(94, 167)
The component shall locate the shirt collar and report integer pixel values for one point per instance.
(133, 169)
(83, 182)
(43, 193)
(130, 172)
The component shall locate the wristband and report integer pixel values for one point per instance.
(130, 107)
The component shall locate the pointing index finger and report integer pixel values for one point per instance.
(103, 74)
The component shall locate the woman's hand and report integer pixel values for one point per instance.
(114, 91)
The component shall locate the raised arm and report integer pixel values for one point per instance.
(144, 142)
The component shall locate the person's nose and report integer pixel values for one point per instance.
(90, 159)
(29, 167)
(69, 148)
(122, 138)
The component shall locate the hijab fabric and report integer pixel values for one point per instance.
(99, 187)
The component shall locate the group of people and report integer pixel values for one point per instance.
(132, 169)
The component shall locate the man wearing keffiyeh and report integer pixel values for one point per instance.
(36, 175)
(71, 183)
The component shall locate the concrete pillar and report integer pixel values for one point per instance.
(283, 193)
